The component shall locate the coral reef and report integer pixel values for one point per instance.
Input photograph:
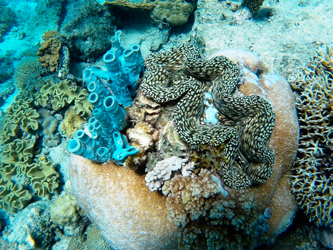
(71, 123)
(66, 214)
(6, 89)
(30, 229)
(27, 72)
(6, 69)
(62, 94)
(7, 20)
(93, 240)
(49, 123)
(312, 181)
(251, 112)
(48, 53)
(253, 5)
(142, 136)
(86, 29)
(226, 218)
(172, 12)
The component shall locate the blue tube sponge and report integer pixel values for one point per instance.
(119, 75)
(123, 150)
(116, 112)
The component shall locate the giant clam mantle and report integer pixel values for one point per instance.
(181, 74)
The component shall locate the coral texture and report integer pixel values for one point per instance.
(86, 29)
(165, 170)
(206, 218)
(62, 94)
(92, 240)
(48, 53)
(71, 123)
(172, 12)
(254, 114)
(29, 229)
(5, 90)
(312, 181)
(26, 71)
(65, 211)
(253, 5)
(118, 201)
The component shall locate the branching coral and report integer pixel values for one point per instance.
(165, 170)
(205, 218)
(313, 171)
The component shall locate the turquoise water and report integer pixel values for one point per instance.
(45, 46)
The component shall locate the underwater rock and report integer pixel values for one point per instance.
(86, 29)
(66, 214)
(7, 20)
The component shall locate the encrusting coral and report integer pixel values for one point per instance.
(253, 5)
(49, 51)
(71, 123)
(312, 181)
(165, 170)
(189, 82)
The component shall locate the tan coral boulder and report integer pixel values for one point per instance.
(128, 214)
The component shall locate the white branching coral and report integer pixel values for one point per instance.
(165, 170)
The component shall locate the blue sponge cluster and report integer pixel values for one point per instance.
(110, 87)
(263, 226)
(104, 142)
(119, 75)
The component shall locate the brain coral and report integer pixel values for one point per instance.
(199, 216)
(312, 181)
